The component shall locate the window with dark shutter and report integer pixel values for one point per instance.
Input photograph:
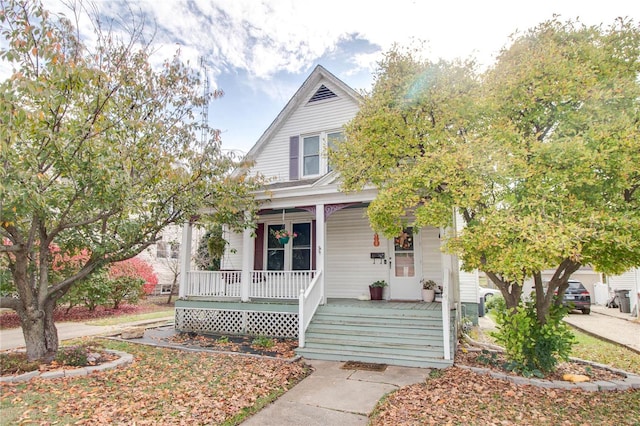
(258, 257)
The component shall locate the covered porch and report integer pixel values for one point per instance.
(312, 288)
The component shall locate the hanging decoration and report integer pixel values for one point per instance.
(376, 240)
(282, 235)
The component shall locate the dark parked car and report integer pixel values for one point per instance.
(577, 297)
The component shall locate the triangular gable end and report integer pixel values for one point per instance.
(298, 99)
(323, 93)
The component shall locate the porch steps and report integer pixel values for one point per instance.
(407, 337)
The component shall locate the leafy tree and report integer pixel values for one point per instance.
(99, 151)
(539, 154)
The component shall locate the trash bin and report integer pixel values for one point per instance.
(481, 307)
(624, 301)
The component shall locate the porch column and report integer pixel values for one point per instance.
(320, 248)
(247, 262)
(446, 314)
(185, 259)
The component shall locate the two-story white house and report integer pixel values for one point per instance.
(315, 286)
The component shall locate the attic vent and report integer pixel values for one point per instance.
(322, 93)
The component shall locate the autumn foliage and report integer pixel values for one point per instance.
(135, 268)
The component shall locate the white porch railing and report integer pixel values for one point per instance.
(309, 301)
(264, 284)
(213, 283)
(279, 284)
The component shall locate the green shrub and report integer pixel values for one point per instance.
(263, 342)
(125, 289)
(496, 303)
(75, 356)
(532, 348)
(91, 292)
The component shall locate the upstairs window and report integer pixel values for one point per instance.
(333, 139)
(311, 156)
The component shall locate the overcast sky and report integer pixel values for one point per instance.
(260, 52)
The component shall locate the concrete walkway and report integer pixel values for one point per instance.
(609, 324)
(333, 396)
(13, 338)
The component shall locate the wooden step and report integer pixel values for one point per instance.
(371, 334)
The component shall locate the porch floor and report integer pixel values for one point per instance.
(387, 304)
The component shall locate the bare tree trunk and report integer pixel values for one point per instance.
(39, 331)
(173, 285)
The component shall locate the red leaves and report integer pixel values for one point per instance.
(135, 268)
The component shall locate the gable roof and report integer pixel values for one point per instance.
(302, 94)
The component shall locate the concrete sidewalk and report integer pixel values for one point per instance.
(13, 338)
(333, 396)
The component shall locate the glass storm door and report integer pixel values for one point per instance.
(405, 277)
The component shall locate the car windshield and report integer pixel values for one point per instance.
(575, 286)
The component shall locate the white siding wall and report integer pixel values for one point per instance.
(469, 286)
(330, 115)
(469, 281)
(431, 255)
(626, 281)
(630, 280)
(349, 268)
(233, 260)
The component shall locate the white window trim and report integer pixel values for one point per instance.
(288, 248)
(323, 149)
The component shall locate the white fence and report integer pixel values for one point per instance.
(263, 284)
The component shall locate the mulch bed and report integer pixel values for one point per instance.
(496, 361)
(282, 348)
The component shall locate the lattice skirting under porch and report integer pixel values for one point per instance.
(254, 323)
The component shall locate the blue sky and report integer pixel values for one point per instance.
(260, 52)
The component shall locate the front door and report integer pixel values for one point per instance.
(405, 271)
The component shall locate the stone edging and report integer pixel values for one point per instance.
(125, 359)
(630, 381)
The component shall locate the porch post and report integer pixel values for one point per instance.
(185, 259)
(320, 248)
(446, 314)
(247, 262)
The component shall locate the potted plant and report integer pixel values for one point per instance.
(428, 290)
(282, 235)
(376, 288)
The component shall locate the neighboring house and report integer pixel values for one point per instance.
(163, 256)
(315, 286)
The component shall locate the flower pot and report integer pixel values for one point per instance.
(376, 292)
(283, 240)
(428, 295)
